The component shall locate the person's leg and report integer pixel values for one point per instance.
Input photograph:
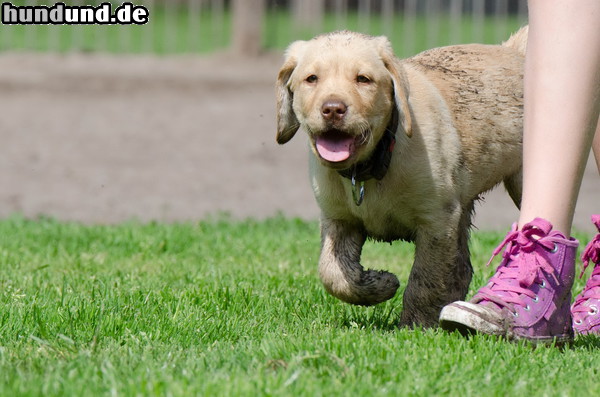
(596, 146)
(530, 294)
(585, 309)
(562, 100)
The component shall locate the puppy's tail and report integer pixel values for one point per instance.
(518, 40)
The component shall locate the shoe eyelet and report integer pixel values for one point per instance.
(555, 249)
(593, 311)
(527, 308)
(536, 299)
(578, 322)
(543, 284)
(516, 314)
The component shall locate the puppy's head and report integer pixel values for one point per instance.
(341, 88)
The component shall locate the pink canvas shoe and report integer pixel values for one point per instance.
(530, 294)
(586, 318)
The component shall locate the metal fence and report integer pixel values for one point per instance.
(249, 26)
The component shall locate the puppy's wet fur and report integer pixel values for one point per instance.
(459, 134)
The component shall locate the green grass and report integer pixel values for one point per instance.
(174, 30)
(225, 307)
(408, 36)
(169, 31)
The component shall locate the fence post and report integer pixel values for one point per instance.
(308, 16)
(248, 16)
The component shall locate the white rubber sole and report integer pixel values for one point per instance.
(468, 318)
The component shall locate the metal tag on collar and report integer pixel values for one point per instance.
(361, 189)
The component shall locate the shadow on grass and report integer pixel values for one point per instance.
(382, 318)
(581, 342)
(587, 342)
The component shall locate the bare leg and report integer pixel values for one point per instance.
(562, 100)
(596, 146)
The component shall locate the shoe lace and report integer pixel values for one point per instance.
(520, 263)
(591, 254)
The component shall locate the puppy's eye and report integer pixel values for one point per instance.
(362, 79)
(312, 78)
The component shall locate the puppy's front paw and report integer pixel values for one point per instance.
(377, 286)
(369, 288)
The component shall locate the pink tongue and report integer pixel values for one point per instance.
(335, 150)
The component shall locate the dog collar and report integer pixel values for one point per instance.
(376, 166)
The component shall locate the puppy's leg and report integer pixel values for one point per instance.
(514, 187)
(340, 269)
(442, 270)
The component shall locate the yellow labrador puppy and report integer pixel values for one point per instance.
(401, 149)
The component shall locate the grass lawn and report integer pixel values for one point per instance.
(225, 307)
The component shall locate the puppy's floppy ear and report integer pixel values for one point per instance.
(400, 82)
(287, 123)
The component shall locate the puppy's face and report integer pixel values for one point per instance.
(339, 87)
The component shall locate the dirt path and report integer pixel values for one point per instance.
(104, 139)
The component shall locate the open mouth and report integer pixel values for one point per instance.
(335, 145)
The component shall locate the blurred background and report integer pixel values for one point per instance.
(174, 120)
(252, 26)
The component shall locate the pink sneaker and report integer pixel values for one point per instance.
(585, 309)
(529, 296)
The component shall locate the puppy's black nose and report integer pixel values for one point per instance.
(334, 110)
